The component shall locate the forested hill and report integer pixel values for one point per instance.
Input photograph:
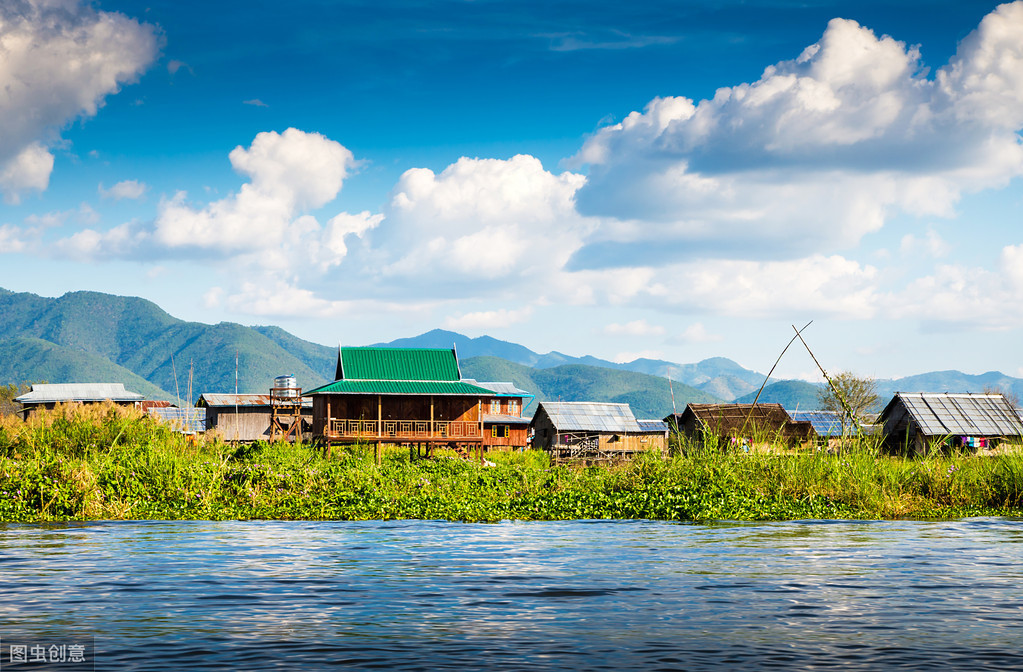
(137, 337)
(94, 337)
(648, 396)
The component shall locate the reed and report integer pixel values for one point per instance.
(105, 462)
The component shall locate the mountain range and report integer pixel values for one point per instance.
(94, 337)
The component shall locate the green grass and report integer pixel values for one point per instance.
(108, 463)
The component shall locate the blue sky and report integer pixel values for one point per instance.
(675, 180)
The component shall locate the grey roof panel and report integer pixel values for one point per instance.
(962, 414)
(591, 416)
(502, 389)
(214, 400)
(825, 423)
(187, 420)
(652, 425)
(48, 393)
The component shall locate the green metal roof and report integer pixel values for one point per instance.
(401, 387)
(397, 364)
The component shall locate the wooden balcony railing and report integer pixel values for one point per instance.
(403, 429)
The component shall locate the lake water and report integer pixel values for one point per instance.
(590, 595)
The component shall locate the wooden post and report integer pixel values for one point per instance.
(380, 427)
(431, 416)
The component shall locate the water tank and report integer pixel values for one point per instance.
(287, 385)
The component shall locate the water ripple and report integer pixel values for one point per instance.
(586, 595)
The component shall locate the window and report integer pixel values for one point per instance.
(513, 407)
(499, 431)
(495, 406)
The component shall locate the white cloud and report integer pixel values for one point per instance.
(213, 297)
(29, 169)
(488, 319)
(625, 357)
(289, 172)
(58, 61)
(817, 285)
(697, 333)
(932, 245)
(279, 299)
(12, 239)
(484, 218)
(175, 65)
(815, 154)
(130, 189)
(957, 296)
(634, 328)
(332, 248)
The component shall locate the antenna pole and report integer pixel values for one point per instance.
(177, 391)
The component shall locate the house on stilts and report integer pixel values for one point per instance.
(400, 396)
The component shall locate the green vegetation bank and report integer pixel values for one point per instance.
(108, 463)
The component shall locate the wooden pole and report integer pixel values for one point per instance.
(768, 377)
(380, 426)
(841, 399)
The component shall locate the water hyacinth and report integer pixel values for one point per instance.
(106, 462)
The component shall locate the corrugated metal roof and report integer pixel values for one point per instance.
(47, 393)
(590, 416)
(456, 387)
(499, 389)
(504, 419)
(652, 426)
(216, 400)
(960, 414)
(187, 420)
(406, 364)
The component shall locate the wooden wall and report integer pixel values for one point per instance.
(517, 436)
(252, 423)
(391, 407)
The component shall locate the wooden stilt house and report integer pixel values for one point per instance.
(504, 428)
(405, 396)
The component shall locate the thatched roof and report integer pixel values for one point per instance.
(742, 420)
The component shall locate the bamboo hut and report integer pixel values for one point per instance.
(739, 424)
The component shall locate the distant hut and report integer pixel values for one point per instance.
(918, 422)
(739, 424)
(244, 417)
(504, 428)
(48, 395)
(590, 432)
